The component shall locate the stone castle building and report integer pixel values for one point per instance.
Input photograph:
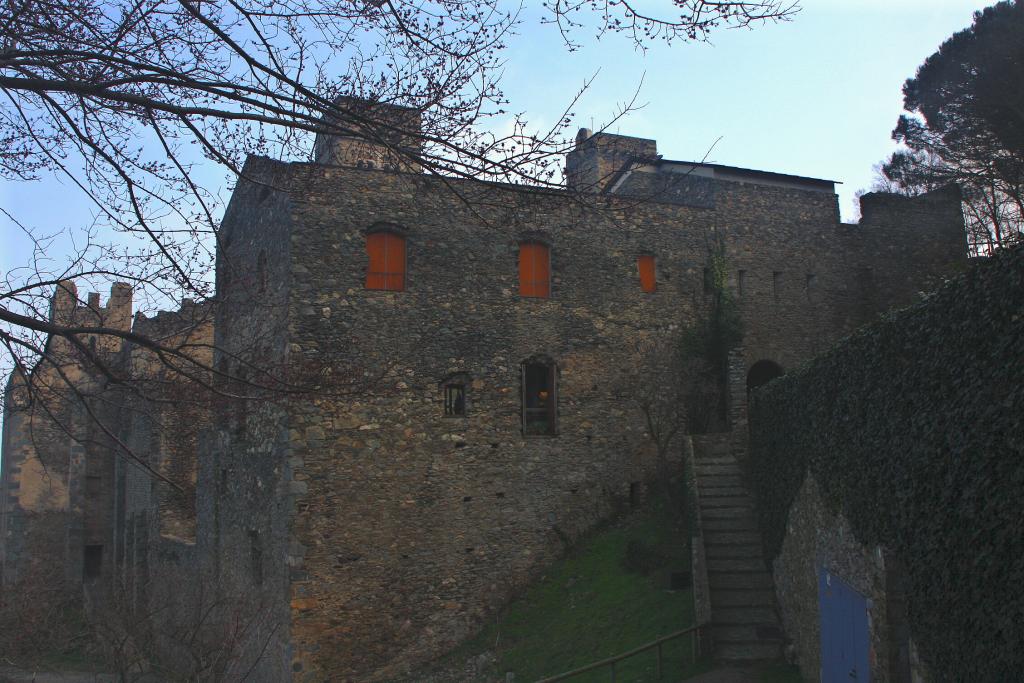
(422, 385)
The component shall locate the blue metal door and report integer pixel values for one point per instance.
(844, 631)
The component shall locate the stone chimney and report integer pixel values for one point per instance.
(371, 135)
(597, 159)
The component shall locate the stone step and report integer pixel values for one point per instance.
(738, 550)
(746, 633)
(744, 615)
(711, 470)
(741, 580)
(719, 481)
(732, 538)
(734, 597)
(721, 492)
(748, 652)
(727, 513)
(727, 502)
(736, 564)
(729, 524)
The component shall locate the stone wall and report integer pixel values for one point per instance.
(248, 471)
(818, 537)
(402, 528)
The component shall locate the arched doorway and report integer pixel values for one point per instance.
(762, 372)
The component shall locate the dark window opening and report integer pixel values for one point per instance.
(255, 557)
(539, 398)
(92, 343)
(261, 272)
(810, 286)
(709, 283)
(222, 486)
(776, 284)
(634, 494)
(93, 485)
(455, 400)
(92, 562)
(741, 282)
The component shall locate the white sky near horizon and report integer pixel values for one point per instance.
(816, 96)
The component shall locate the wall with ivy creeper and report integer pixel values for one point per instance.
(913, 430)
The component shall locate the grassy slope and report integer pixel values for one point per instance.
(589, 606)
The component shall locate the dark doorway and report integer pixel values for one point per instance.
(762, 372)
(92, 562)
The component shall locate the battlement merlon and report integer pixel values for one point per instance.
(67, 309)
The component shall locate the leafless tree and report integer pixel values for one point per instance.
(133, 101)
(993, 200)
(664, 386)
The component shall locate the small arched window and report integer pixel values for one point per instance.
(386, 268)
(534, 270)
(645, 265)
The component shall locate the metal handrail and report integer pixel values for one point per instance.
(694, 632)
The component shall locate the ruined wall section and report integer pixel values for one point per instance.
(58, 483)
(912, 244)
(461, 511)
(163, 410)
(173, 406)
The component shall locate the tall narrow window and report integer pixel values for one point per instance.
(386, 269)
(455, 399)
(645, 264)
(255, 557)
(741, 282)
(534, 270)
(776, 284)
(261, 272)
(811, 286)
(540, 397)
(93, 487)
(92, 562)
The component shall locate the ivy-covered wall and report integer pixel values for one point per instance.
(913, 428)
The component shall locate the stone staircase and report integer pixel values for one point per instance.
(744, 621)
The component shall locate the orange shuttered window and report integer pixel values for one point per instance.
(387, 261)
(534, 270)
(645, 264)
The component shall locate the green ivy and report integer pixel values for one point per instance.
(914, 428)
(717, 330)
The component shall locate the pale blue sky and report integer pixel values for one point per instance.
(817, 97)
